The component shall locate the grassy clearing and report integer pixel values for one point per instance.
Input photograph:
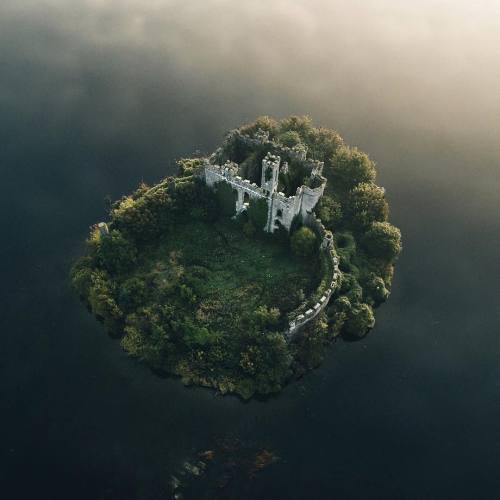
(231, 274)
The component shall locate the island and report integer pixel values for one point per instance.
(237, 272)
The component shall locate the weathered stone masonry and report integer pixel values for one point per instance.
(282, 209)
(300, 318)
(281, 212)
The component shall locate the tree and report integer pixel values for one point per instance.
(303, 242)
(300, 124)
(367, 204)
(132, 293)
(290, 138)
(268, 361)
(264, 123)
(329, 211)
(382, 240)
(81, 276)
(115, 253)
(257, 212)
(322, 143)
(376, 289)
(349, 167)
(360, 319)
(102, 302)
(144, 215)
(226, 198)
(265, 318)
(188, 166)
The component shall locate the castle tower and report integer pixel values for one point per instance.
(270, 173)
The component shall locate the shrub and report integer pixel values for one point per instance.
(303, 242)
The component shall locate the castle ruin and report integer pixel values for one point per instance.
(281, 212)
(282, 209)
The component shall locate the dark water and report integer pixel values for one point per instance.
(95, 96)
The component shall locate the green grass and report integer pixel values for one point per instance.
(232, 274)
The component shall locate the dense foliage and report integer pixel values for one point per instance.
(195, 294)
(353, 207)
(303, 242)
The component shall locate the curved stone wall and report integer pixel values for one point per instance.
(300, 319)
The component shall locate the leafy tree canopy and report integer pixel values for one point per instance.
(303, 242)
(195, 294)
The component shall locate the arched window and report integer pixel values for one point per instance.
(279, 212)
(246, 198)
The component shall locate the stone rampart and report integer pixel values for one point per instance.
(218, 173)
(300, 318)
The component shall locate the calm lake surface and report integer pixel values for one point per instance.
(96, 96)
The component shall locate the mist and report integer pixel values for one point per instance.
(358, 66)
(97, 95)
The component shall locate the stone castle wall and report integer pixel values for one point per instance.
(282, 211)
(301, 318)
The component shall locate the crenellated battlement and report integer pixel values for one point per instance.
(282, 209)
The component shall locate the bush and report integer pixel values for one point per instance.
(322, 144)
(303, 242)
(382, 240)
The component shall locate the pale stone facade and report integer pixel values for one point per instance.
(282, 209)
